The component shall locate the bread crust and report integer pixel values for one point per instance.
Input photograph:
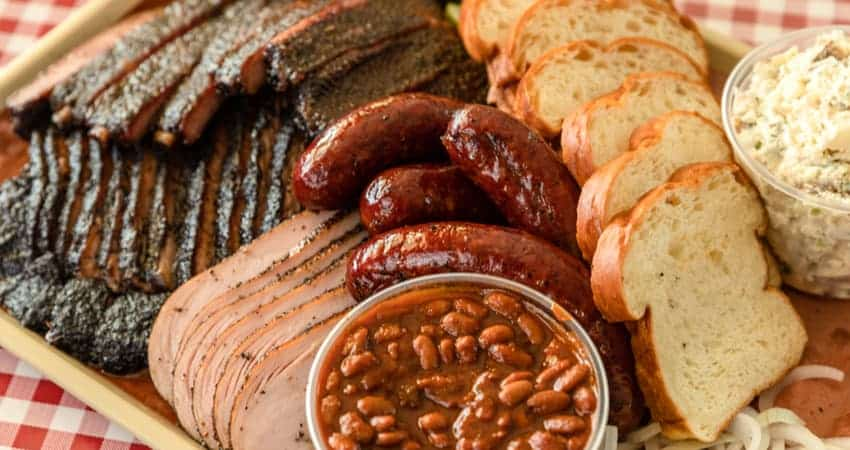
(575, 143)
(608, 294)
(518, 66)
(468, 29)
(524, 106)
(595, 194)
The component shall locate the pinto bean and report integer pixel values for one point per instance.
(447, 351)
(392, 350)
(542, 440)
(571, 378)
(338, 441)
(424, 347)
(549, 374)
(504, 304)
(467, 350)
(373, 405)
(388, 332)
(517, 376)
(495, 334)
(390, 438)
(504, 419)
(357, 363)
(433, 422)
(410, 445)
(511, 355)
(440, 440)
(584, 400)
(436, 308)
(330, 408)
(532, 328)
(564, 424)
(333, 381)
(382, 423)
(514, 393)
(354, 427)
(458, 324)
(429, 329)
(548, 402)
(470, 308)
(357, 342)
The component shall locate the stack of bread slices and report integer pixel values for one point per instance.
(671, 225)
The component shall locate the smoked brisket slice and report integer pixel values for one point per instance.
(143, 176)
(78, 155)
(244, 70)
(112, 214)
(121, 339)
(187, 113)
(71, 99)
(56, 164)
(126, 109)
(255, 180)
(77, 313)
(274, 202)
(29, 296)
(37, 170)
(226, 222)
(360, 75)
(204, 248)
(153, 233)
(85, 237)
(339, 27)
(189, 228)
(13, 201)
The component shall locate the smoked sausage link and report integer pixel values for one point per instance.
(419, 250)
(520, 172)
(423, 193)
(396, 130)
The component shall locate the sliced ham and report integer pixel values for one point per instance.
(284, 247)
(206, 348)
(255, 349)
(274, 390)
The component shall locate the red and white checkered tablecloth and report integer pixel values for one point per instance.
(36, 414)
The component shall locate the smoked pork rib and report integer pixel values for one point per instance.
(30, 106)
(244, 70)
(126, 109)
(339, 27)
(71, 99)
(187, 113)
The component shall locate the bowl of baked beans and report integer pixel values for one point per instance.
(457, 361)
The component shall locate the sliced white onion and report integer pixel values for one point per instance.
(798, 434)
(768, 397)
(652, 444)
(777, 444)
(610, 440)
(779, 415)
(746, 428)
(838, 442)
(644, 434)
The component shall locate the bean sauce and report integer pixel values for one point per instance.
(456, 367)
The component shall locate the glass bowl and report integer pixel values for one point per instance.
(545, 308)
(810, 235)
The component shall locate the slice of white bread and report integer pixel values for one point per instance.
(486, 24)
(658, 148)
(600, 130)
(550, 24)
(687, 271)
(565, 78)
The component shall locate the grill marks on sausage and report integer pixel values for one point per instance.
(71, 99)
(196, 99)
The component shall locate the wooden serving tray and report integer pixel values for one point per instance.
(133, 402)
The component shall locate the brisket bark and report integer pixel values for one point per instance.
(78, 153)
(56, 162)
(29, 296)
(77, 312)
(85, 236)
(13, 201)
(120, 340)
(37, 169)
(339, 27)
(139, 198)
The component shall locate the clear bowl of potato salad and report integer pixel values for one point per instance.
(786, 109)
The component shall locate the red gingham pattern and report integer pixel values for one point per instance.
(35, 413)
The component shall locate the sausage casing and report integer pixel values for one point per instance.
(442, 247)
(422, 193)
(396, 130)
(520, 172)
